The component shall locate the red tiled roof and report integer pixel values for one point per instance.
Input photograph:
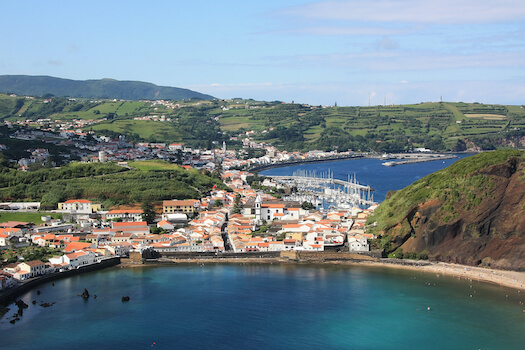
(78, 201)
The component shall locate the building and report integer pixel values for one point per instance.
(125, 215)
(29, 269)
(79, 206)
(180, 206)
(358, 244)
(6, 280)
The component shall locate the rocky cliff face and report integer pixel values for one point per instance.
(478, 218)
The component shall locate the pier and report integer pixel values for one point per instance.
(419, 159)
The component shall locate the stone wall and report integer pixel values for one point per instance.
(331, 256)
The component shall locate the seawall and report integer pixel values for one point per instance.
(11, 294)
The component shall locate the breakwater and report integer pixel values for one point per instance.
(420, 159)
(214, 256)
(302, 161)
(11, 294)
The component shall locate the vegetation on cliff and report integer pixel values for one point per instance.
(470, 212)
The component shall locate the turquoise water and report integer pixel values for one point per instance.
(274, 306)
(268, 307)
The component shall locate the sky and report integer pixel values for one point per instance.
(353, 53)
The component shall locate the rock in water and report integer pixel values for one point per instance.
(85, 294)
(126, 298)
(21, 305)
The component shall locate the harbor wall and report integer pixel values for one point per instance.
(212, 255)
(11, 294)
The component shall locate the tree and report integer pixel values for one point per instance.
(237, 204)
(149, 213)
(307, 205)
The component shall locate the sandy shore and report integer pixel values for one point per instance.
(512, 279)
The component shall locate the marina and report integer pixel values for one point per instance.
(323, 189)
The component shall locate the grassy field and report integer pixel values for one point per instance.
(154, 165)
(487, 116)
(35, 218)
(143, 128)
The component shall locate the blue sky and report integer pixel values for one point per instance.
(307, 51)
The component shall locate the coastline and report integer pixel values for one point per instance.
(9, 295)
(504, 278)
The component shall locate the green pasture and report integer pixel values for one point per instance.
(145, 129)
(147, 165)
(35, 218)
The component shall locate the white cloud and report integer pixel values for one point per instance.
(342, 30)
(386, 43)
(407, 61)
(413, 11)
(55, 62)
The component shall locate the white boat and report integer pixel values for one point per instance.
(389, 163)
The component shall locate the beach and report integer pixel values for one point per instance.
(511, 279)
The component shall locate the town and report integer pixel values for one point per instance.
(244, 220)
(263, 218)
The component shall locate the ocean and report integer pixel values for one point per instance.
(253, 306)
(267, 307)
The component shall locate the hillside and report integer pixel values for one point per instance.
(105, 183)
(469, 213)
(439, 126)
(104, 88)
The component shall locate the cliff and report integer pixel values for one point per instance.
(469, 213)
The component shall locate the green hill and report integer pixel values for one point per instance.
(469, 213)
(106, 183)
(104, 88)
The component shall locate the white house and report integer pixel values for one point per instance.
(6, 280)
(79, 206)
(358, 244)
(125, 215)
(4, 240)
(29, 269)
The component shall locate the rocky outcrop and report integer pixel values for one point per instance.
(85, 294)
(483, 225)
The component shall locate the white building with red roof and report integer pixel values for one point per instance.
(125, 214)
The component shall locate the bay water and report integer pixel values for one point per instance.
(283, 306)
(279, 306)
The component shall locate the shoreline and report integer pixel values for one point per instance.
(504, 278)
